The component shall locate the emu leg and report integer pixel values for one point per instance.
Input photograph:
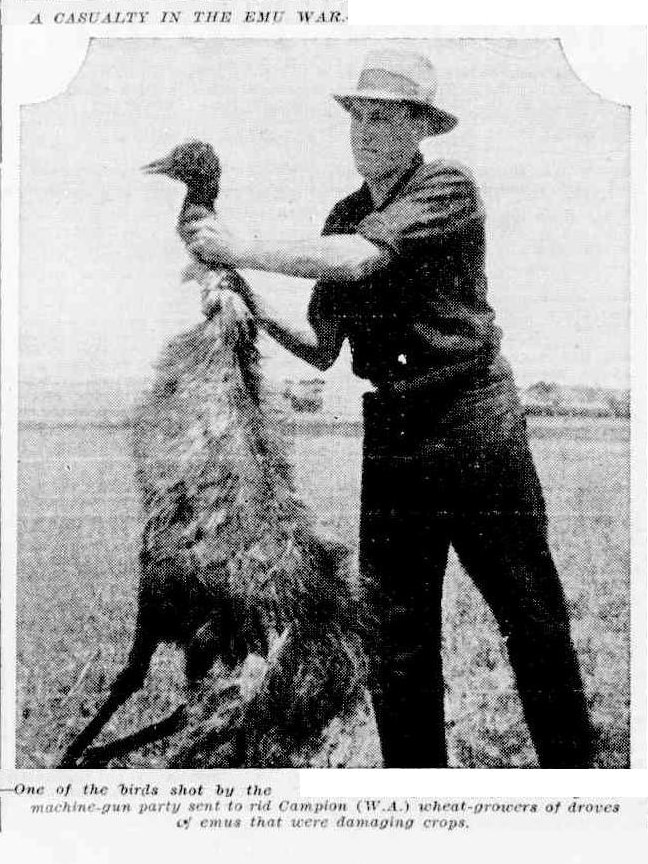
(129, 680)
(98, 757)
(201, 653)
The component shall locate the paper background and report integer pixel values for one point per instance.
(81, 842)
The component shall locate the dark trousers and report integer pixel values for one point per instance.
(419, 495)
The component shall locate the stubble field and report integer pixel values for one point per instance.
(78, 541)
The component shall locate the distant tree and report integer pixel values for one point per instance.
(619, 403)
(549, 398)
(542, 398)
(305, 395)
(546, 391)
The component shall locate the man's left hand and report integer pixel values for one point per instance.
(211, 241)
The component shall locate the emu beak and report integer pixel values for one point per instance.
(158, 166)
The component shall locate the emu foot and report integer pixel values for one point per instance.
(94, 757)
(91, 757)
(99, 757)
(70, 758)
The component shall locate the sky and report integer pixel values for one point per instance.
(100, 260)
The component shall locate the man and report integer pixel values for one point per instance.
(400, 270)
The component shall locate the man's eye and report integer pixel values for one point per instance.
(372, 119)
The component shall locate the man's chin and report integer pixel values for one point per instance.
(371, 171)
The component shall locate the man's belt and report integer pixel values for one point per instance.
(438, 377)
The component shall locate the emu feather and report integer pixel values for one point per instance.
(225, 519)
(232, 568)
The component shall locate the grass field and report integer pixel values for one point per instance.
(78, 538)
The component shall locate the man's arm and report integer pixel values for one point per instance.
(318, 342)
(344, 257)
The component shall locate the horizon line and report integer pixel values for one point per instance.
(141, 378)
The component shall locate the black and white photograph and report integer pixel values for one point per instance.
(324, 409)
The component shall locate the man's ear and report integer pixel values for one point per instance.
(421, 123)
(422, 127)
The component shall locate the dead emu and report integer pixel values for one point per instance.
(231, 566)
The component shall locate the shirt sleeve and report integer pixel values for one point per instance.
(326, 305)
(439, 201)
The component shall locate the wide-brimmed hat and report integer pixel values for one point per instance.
(392, 75)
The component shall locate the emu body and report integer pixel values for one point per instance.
(230, 563)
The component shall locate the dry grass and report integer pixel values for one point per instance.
(77, 578)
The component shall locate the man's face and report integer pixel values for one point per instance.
(384, 137)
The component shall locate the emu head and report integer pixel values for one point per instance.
(195, 164)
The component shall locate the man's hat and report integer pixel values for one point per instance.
(391, 75)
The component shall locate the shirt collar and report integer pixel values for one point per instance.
(398, 186)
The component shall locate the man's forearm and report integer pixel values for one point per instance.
(346, 257)
(342, 257)
(300, 342)
(297, 342)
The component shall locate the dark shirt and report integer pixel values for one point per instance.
(420, 328)
(424, 315)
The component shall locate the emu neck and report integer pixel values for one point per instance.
(197, 197)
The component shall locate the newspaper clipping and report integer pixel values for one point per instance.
(323, 435)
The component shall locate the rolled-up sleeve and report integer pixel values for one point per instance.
(326, 305)
(439, 201)
(328, 297)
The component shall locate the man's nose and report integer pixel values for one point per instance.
(364, 129)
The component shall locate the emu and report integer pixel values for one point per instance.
(231, 566)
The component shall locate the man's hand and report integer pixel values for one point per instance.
(347, 257)
(211, 241)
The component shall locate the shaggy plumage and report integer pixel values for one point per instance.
(238, 552)
(232, 569)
